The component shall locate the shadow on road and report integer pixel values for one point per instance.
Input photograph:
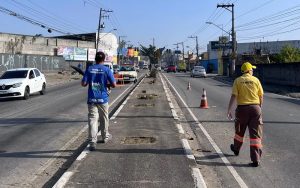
(204, 161)
(36, 154)
(31, 121)
(172, 151)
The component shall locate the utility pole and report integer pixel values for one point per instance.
(100, 26)
(233, 35)
(119, 48)
(153, 41)
(197, 47)
(177, 52)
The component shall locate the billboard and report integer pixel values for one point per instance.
(91, 54)
(80, 54)
(66, 52)
(72, 53)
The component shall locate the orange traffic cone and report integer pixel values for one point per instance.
(189, 86)
(204, 103)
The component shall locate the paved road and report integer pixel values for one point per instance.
(280, 162)
(40, 135)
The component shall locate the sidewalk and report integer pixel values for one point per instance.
(145, 150)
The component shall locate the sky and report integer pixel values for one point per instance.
(162, 22)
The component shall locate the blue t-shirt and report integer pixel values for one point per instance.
(97, 76)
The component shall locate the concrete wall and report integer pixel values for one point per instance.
(283, 74)
(249, 48)
(23, 44)
(43, 63)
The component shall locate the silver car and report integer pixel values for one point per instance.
(198, 71)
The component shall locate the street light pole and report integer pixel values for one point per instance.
(233, 35)
(197, 47)
(119, 48)
(100, 26)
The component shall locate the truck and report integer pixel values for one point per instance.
(181, 66)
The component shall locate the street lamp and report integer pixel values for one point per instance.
(211, 23)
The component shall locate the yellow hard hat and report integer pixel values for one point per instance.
(247, 67)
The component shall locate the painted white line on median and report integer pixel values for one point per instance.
(187, 149)
(234, 173)
(198, 178)
(63, 180)
(180, 129)
(174, 114)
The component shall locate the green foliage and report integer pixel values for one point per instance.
(288, 54)
(152, 52)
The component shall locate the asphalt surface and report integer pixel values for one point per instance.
(280, 161)
(40, 135)
(128, 162)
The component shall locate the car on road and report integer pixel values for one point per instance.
(22, 82)
(171, 68)
(198, 71)
(128, 73)
(109, 65)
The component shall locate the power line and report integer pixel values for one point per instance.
(30, 20)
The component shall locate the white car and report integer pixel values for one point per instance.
(22, 82)
(128, 73)
(198, 71)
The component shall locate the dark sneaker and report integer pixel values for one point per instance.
(233, 150)
(254, 164)
(92, 146)
(107, 138)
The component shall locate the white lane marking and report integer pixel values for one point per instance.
(63, 180)
(68, 174)
(174, 114)
(198, 178)
(187, 149)
(180, 129)
(83, 154)
(234, 173)
(171, 105)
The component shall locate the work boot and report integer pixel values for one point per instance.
(254, 164)
(236, 153)
(107, 138)
(92, 146)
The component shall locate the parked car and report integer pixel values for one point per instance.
(198, 71)
(171, 68)
(109, 65)
(116, 68)
(129, 73)
(22, 82)
(181, 66)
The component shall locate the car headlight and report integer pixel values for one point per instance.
(17, 85)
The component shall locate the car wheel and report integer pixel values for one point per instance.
(135, 81)
(43, 91)
(26, 93)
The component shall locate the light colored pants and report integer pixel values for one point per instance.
(98, 112)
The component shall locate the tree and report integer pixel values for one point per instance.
(288, 54)
(150, 52)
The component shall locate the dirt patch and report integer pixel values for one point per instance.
(55, 78)
(139, 140)
(146, 96)
(144, 105)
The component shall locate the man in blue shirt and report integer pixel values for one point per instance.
(99, 78)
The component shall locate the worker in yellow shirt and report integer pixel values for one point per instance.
(248, 93)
